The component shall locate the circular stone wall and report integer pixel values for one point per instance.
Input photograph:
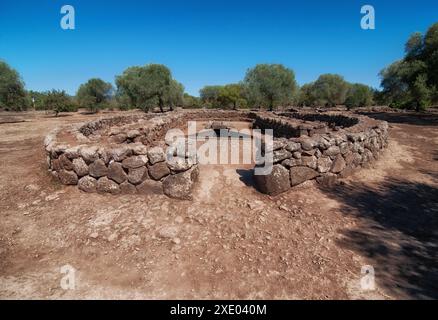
(124, 154)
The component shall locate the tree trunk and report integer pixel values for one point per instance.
(271, 105)
(160, 101)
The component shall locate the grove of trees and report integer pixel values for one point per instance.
(94, 94)
(330, 90)
(411, 83)
(150, 86)
(12, 92)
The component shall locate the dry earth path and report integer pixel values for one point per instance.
(230, 242)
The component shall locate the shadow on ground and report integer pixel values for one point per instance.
(247, 177)
(421, 119)
(398, 233)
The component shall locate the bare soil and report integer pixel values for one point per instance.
(230, 242)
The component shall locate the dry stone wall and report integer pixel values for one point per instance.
(124, 154)
(323, 153)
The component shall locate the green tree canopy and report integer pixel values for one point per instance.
(359, 95)
(413, 81)
(210, 95)
(12, 93)
(58, 101)
(329, 90)
(149, 86)
(174, 97)
(191, 102)
(305, 97)
(94, 94)
(270, 85)
(231, 95)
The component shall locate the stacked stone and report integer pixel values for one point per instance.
(127, 169)
(321, 157)
(304, 151)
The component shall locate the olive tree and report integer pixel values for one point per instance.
(305, 97)
(232, 95)
(94, 94)
(190, 101)
(210, 96)
(270, 85)
(12, 93)
(413, 81)
(149, 86)
(359, 95)
(174, 97)
(329, 90)
(58, 101)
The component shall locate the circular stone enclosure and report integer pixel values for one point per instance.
(124, 154)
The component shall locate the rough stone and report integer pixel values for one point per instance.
(87, 184)
(299, 175)
(276, 182)
(94, 235)
(343, 147)
(276, 145)
(156, 154)
(309, 152)
(80, 167)
(56, 165)
(178, 164)
(293, 146)
(291, 162)
(105, 185)
(323, 144)
(137, 175)
(168, 232)
(150, 187)
(158, 170)
(308, 144)
(120, 153)
(339, 164)
(297, 155)
(104, 154)
(89, 153)
(67, 177)
(358, 147)
(357, 159)
(139, 149)
(72, 152)
(134, 162)
(180, 185)
(280, 155)
(116, 172)
(332, 151)
(310, 162)
(318, 153)
(118, 138)
(127, 188)
(98, 169)
(349, 157)
(324, 164)
(133, 134)
(114, 131)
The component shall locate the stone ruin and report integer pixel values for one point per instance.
(124, 154)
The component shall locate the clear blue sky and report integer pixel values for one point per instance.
(205, 42)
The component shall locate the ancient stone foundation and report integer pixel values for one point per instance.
(124, 154)
(321, 152)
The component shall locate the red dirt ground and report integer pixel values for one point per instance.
(230, 242)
